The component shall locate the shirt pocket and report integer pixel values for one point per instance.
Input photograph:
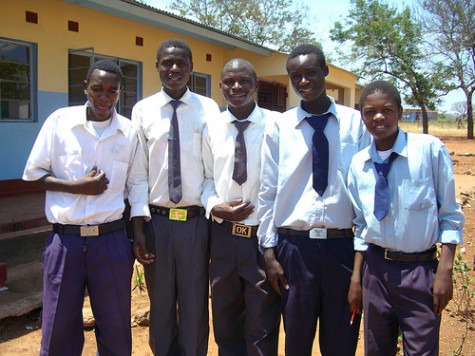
(419, 194)
(118, 176)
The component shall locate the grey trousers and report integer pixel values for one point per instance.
(177, 283)
(246, 310)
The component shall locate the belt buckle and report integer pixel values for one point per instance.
(242, 230)
(386, 256)
(88, 230)
(178, 214)
(318, 233)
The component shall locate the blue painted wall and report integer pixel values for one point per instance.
(17, 138)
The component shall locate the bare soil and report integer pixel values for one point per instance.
(21, 335)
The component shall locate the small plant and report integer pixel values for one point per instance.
(138, 279)
(464, 292)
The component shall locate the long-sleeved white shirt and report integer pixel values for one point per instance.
(152, 117)
(219, 139)
(286, 197)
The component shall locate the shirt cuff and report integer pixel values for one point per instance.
(451, 237)
(140, 210)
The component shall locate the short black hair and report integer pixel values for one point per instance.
(175, 42)
(105, 65)
(383, 87)
(244, 62)
(308, 48)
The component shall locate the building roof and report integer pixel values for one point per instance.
(142, 13)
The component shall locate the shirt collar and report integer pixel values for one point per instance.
(81, 119)
(256, 116)
(164, 98)
(399, 147)
(302, 114)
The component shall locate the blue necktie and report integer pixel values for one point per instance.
(320, 152)
(381, 190)
(174, 165)
(240, 155)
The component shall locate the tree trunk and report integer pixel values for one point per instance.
(469, 116)
(425, 119)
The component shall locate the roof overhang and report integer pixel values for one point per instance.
(134, 11)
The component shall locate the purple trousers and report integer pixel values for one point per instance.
(246, 309)
(318, 272)
(104, 265)
(398, 296)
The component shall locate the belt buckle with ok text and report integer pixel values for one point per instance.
(242, 230)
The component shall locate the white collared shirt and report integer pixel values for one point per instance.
(422, 209)
(152, 117)
(219, 140)
(67, 147)
(286, 197)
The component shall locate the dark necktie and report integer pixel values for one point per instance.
(320, 152)
(240, 155)
(381, 190)
(174, 165)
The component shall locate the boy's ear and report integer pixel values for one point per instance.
(399, 116)
(326, 71)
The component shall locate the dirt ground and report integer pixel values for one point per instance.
(21, 336)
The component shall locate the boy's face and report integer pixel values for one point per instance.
(174, 68)
(102, 93)
(238, 85)
(380, 116)
(307, 76)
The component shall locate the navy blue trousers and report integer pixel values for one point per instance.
(398, 296)
(318, 272)
(104, 265)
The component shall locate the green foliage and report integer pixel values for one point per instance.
(464, 292)
(449, 26)
(272, 23)
(386, 44)
(139, 279)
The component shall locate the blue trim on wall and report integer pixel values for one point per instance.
(17, 138)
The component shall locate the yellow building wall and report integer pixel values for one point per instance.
(109, 35)
(115, 36)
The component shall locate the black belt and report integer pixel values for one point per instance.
(240, 230)
(398, 256)
(89, 230)
(318, 233)
(180, 213)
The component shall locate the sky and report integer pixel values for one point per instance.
(323, 14)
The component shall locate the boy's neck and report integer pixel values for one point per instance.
(317, 106)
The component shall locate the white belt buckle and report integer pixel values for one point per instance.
(318, 233)
(88, 231)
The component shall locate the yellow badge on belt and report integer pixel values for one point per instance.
(178, 214)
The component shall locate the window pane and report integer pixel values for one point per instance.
(199, 83)
(78, 67)
(15, 81)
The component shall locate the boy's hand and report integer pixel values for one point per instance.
(233, 210)
(274, 271)
(93, 183)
